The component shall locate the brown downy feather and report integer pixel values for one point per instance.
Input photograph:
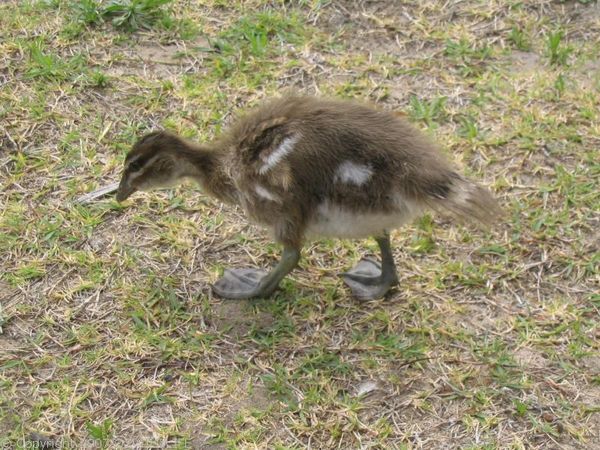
(302, 165)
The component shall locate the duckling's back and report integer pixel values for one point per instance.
(338, 161)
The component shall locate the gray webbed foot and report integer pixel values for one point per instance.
(367, 280)
(248, 283)
(240, 284)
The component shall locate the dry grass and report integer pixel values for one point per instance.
(109, 336)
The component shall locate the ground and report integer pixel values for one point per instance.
(109, 334)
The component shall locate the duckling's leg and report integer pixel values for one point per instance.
(369, 279)
(248, 283)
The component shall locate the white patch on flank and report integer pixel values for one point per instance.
(352, 173)
(286, 146)
(265, 194)
(331, 220)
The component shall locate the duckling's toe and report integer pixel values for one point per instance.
(367, 281)
(239, 283)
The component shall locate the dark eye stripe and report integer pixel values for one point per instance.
(136, 165)
(136, 162)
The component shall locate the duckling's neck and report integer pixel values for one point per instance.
(205, 165)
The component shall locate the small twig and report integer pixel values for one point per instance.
(90, 196)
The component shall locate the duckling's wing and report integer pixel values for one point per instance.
(264, 150)
(262, 138)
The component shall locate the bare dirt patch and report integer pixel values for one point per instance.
(237, 319)
(525, 62)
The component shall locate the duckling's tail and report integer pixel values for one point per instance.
(468, 200)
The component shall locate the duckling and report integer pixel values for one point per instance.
(306, 167)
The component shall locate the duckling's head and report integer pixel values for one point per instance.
(155, 161)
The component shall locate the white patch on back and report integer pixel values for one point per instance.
(286, 146)
(352, 173)
(262, 192)
(331, 220)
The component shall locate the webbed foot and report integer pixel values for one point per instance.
(241, 283)
(249, 283)
(367, 280)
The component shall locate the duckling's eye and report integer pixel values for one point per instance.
(135, 166)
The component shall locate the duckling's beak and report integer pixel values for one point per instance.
(124, 191)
